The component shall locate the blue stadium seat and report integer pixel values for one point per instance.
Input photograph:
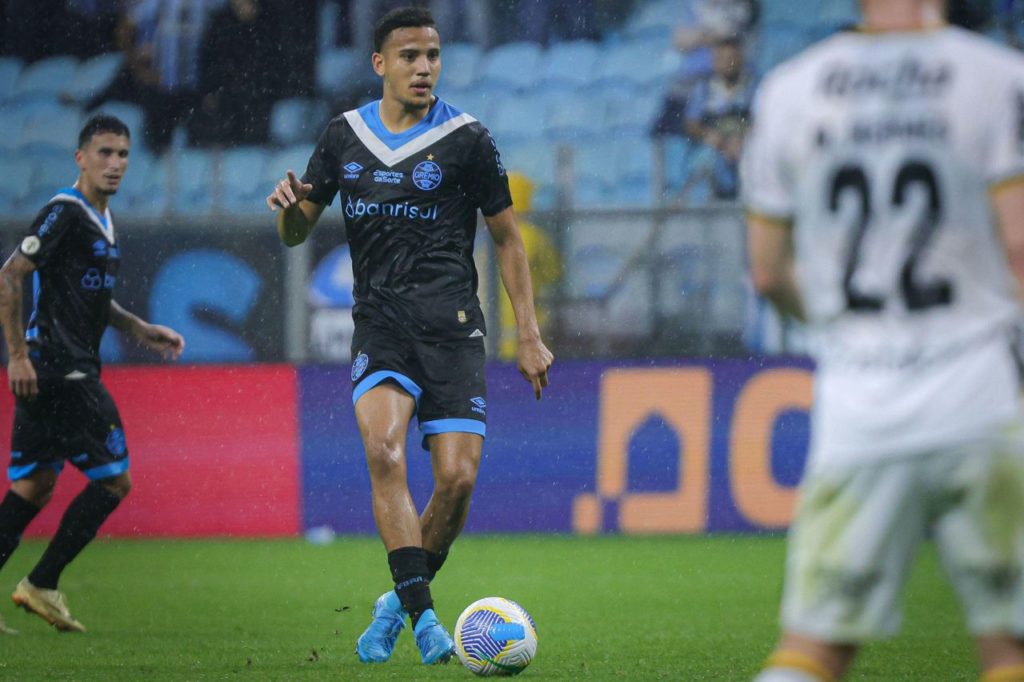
(676, 150)
(635, 160)
(242, 186)
(292, 158)
(460, 62)
(513, 67)
(518, 119)
(656, 20)
(536, 160)
(593, 270)
(779, 42)
(132, 116)
(10, 69)
(45, 79)
(569, 65)
(633, 116)
(12, 121)
(94, 75)
(51, 129)
(627, 67)
(595, 164)
(577, 116)
(193, 182)
(16, 185)
(476, 104)
(334, 69)
(144, 188)
(297, 120)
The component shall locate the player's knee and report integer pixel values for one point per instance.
(38, 489)
(385, 456)
(119, 485)
(455, 483)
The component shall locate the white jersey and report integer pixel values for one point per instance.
(881, 150)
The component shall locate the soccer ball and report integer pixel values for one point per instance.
(495, 636)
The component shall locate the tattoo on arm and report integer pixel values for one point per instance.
(10, 313)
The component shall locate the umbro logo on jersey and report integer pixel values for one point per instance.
(476, 333)
(479, 405)
(352, 170)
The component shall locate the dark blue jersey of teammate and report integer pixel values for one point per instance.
(410, 202)
(73, 248)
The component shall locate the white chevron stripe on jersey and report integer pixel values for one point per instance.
(91, 212)
(390, 156)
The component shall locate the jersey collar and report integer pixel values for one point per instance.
(102, 220)
(392, 148)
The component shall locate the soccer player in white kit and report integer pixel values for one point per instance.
(884, 178)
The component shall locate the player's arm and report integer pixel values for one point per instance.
(299, 216)
(770, 245)
(155, 337)
(534, 359)
(21, 375)
(1008, 203)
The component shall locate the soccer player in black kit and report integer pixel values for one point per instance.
(62, 411)
(411, 172)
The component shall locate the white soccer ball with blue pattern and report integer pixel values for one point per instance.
(495, 637)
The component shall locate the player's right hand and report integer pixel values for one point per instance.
(21, 378)
(288, 192)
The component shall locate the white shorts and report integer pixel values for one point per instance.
(858, 528)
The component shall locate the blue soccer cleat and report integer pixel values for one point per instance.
(378, 641)
(436, 645)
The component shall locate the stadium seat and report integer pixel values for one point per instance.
(94, 75)
(10, 69)
(333, 70)
(518, 119)
(460, 62)
(297, 120)
(144, 189)
(45, 79)
(594, 269)
(12, 121)
(656, 20)
(778, 42)
(633, 116)
(569, 65)
(16, 185)
(595, 164)
(51, 129)
(242, 188)
(536, 160)
(627, 67)
(132, 116)
(576, 116)
(510, 68)
(476, 104)
(192, 192)
(293, 158)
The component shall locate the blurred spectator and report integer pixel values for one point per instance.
(236, 63)
(545, 267)
(711, 21)
(716, 115)
(160, 40)
(34, 29)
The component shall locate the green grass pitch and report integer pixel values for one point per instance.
(607, 608)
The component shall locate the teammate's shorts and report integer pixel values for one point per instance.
(74, 420)
(859, 528)
(445, 378)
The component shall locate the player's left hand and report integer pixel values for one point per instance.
(161, 339)
(534, 360)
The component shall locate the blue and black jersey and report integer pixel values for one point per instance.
(73, 248)
(410, 201)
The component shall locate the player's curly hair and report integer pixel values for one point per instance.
(101, 123)
(400, 17)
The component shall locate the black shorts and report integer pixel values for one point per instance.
(73, 420)
(445, 378)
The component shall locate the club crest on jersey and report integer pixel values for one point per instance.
(427, 175)
(352, 170)
(362, 361)
(115, 442)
